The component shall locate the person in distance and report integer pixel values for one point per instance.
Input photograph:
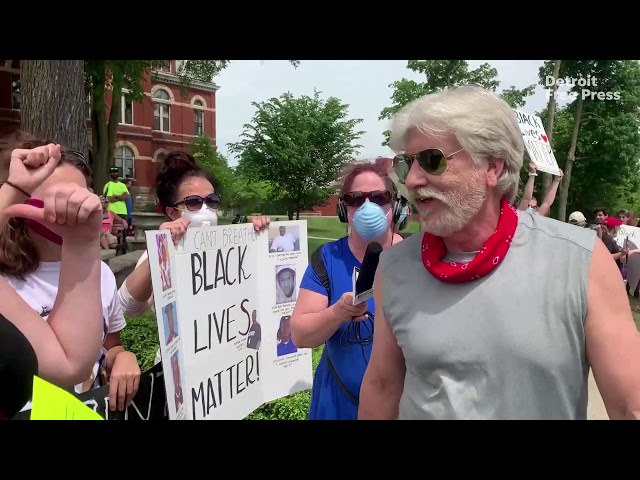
(491, 313)
(31, 261)
(370, 205)
(67, 344)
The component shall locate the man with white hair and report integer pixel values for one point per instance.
(491, 313)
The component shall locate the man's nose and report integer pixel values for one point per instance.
(416, 177)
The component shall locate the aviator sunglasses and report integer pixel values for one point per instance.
(194, 202)
(431, 160)
(357, 199)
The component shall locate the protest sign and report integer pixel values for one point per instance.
(627, 232)
(537, 143)
(224, 297)
(53, 403)
(149, 403)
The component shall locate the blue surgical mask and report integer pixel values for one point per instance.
(370, 221)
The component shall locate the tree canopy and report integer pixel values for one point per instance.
(298, 145)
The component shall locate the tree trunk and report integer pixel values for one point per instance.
(53, 101)
(104, 129)
(571, 157)
(551, 113)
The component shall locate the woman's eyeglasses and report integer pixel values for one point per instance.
(431, 160)
(194, 202)
(357, 199)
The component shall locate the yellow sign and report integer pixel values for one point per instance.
(53, 403)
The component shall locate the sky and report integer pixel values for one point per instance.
(362, 84)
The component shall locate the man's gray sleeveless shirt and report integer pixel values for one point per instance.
(508, 346)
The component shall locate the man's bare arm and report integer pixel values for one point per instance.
(612, 340)
(383, 381)
(527, 194)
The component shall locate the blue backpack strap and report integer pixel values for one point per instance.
(317, 263)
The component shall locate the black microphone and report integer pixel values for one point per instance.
(364, 282)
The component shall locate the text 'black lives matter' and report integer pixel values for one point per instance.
(219, 323)
(226, 272)
(227, 383)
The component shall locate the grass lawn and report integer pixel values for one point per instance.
(635, 310)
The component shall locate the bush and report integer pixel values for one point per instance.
(141, 337)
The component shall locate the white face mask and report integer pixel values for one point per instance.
(205, 214)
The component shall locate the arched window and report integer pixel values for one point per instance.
(198, 117)
(161, 110)
(125, 162)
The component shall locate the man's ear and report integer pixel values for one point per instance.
(495, 169)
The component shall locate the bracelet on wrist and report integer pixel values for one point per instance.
(531, 174)
(15, 187)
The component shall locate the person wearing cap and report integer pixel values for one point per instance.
(578, 219)
(285, 284)
(608, 231)
(116, 193)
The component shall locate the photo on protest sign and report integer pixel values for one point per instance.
(164, 261)
(170, 321)
(285, 344)
(286, 284)
(224, 288)
(537, 143)
(284, 238)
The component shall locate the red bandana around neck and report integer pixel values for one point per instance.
(488, 258)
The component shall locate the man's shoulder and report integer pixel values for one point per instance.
(406, 248)
(556, 232)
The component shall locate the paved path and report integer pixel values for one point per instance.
(596, 409)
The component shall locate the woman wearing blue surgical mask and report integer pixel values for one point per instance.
(369, 205)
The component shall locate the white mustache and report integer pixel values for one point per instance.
(424, 193)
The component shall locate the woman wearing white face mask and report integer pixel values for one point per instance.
(187, 195)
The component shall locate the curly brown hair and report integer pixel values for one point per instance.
(18, 254)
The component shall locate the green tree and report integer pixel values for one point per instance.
(208, 157)
(599, 153)
(443, 74)
(299, 146)
(114, 76)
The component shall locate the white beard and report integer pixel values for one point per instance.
(460, 206)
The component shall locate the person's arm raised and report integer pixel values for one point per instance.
(383, 380)
(27, 170)
(67, 345)
(612, 339)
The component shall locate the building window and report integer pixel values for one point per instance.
(125, 162)
(161, 110)
(166, 67)
(126, 113)
(198, 117)
(16, 97)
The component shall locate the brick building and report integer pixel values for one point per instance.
(167, 119)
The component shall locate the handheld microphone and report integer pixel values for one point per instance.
(363, 285)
